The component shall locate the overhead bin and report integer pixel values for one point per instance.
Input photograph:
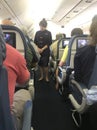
(70, 9)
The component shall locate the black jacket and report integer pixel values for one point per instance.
(43, 38)
(83, 63)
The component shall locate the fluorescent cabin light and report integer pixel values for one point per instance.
(38, 9)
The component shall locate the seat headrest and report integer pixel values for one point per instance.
(2, 47)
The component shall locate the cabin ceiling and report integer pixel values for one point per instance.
(70, 9)
(24, 12)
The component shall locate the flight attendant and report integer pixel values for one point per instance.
(43, 40)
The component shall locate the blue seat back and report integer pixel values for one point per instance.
(6, 122)
(73, 46)
(60, 47)
(23, 44)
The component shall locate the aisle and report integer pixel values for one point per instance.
(50, 112)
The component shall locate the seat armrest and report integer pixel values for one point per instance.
(72, 76)
(78, 107)
(79, 86)
(61, 75)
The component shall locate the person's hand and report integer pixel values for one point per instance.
(40, 50)
(44, 48)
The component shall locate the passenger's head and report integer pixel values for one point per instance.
(60, 36)
(93, 31)
(76, 31)
(7, 22)
(43, 24)
(64, 35)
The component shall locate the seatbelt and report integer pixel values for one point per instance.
(93, 79)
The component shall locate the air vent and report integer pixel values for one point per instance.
(88, 1)
(75, 11)
(62, 26)
(9, 18)
(68, 17)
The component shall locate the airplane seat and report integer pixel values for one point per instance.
(65, 71)
(61, 46)
(6, 122)
(18, 41)
(22, 43)
(53, 50)
(77, 42)
(82, 97)
(89, 93)
(53, 57)
(60, 51)
(16, 38)
(57, 49)
(32, 54)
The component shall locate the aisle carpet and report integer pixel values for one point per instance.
(50, 111)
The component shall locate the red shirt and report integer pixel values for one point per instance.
(17, 70)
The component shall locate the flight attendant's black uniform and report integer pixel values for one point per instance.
(43, 38)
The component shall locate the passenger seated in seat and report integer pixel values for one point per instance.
(7, 22)
(20, 98)
(75, 31)
(83, 66)
(85, 56)
(54, 45)
(60, 36)
(17, 72)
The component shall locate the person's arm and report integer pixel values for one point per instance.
(35, 38)
(44, 48)
(36, 41)
(64, 57)
(48, 42)
(50, 39)
(23, 74)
